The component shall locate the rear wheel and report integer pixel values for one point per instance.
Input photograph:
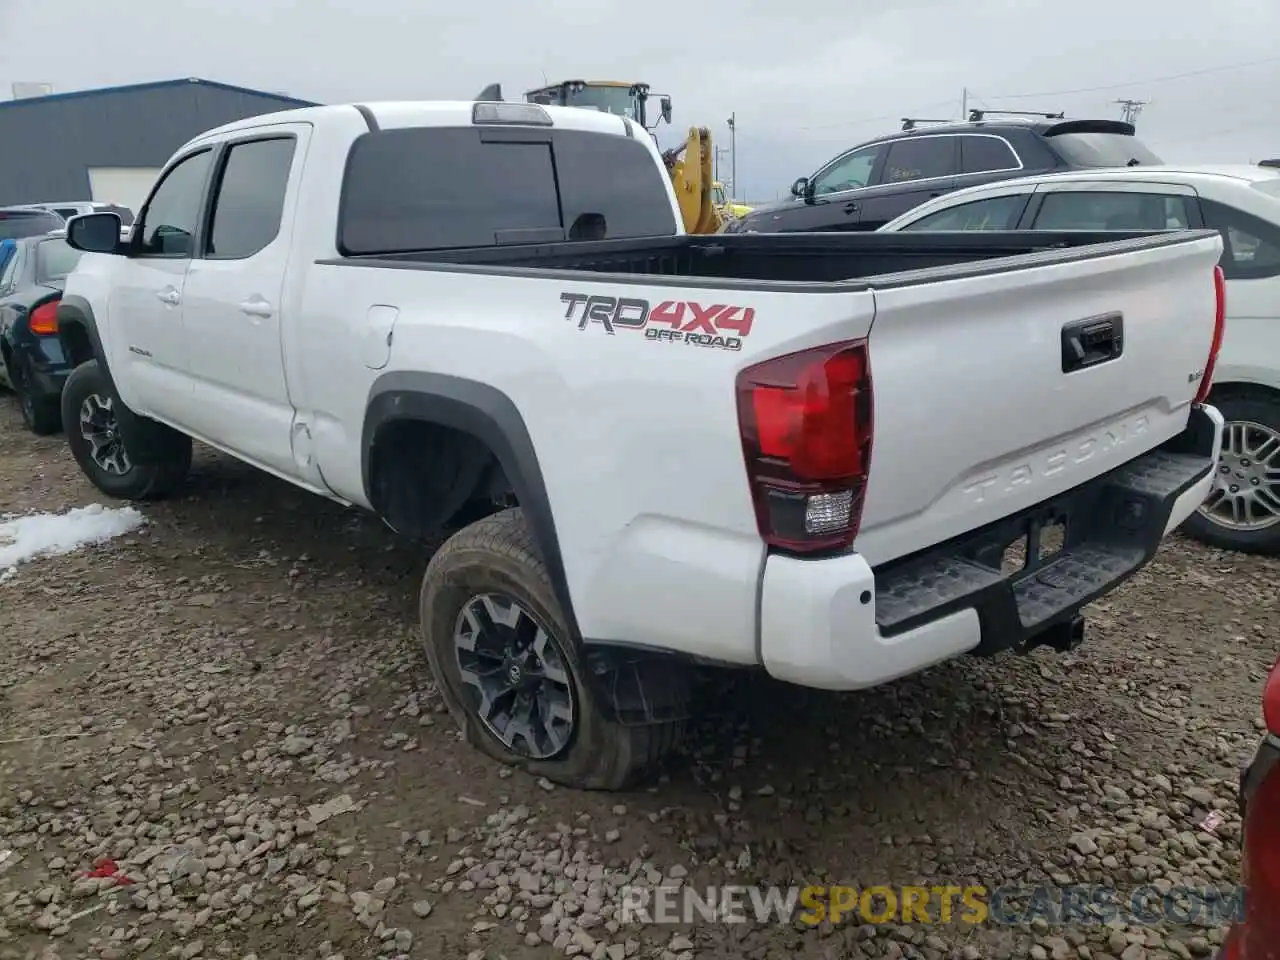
(41, 414)
(90, 410)
(500, 650)
(1242, 512)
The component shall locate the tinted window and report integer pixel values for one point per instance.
(1101, 150)
(55, 260)
(28, 223)
(993, 213)
(66, 212)
(610, 184)
(1112, 211)
(1251, 247)
(169, 220)
(435, 188)
(250, 197)
(919, 158)
(850, 172)
(980, 154)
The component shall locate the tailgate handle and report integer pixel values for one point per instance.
(1094, 340)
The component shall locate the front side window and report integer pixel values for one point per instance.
(169, 220)
(993, 213)
(920, 159)
(55, 260)
(850, 172)
(249, 203)
(1112, 210)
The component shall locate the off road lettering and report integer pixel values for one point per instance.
(718, 326)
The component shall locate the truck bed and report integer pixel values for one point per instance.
(847, 259)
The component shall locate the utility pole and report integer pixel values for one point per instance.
(964, 104)
(733, 155)
(1129, 109)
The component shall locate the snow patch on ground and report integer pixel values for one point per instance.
(52, 534)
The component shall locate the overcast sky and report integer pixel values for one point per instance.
(805, 80)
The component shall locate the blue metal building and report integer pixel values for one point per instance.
(109, 144)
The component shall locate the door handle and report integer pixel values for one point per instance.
(1094, 340)
(852, 207)
(170, 296)
(255, 307)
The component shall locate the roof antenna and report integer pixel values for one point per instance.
(491, 94)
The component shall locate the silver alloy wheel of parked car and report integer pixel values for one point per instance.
(98, 425)
(516, 671)
(1246, 489)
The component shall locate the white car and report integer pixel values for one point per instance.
(1243, 204)
(670, 437)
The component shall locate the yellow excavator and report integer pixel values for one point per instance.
(688, 165)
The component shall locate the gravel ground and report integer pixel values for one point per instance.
(231, 705)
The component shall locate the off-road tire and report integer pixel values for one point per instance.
(1238, 405)
(498, 555)
(166, 468)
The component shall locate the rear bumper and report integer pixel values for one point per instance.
(835, 623)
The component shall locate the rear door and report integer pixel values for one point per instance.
(915, 170)
(232, 300)
(980, 410)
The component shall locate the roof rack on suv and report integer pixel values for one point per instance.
(976, 116)
(909, 123)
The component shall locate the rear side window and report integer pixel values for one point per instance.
(1107, 210)
(983, 154)
(1251, 246)
(15, 224)
(920, 158)
(249, 202)
(437, 188)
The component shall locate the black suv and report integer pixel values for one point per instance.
(866, 187)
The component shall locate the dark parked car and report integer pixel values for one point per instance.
(866, 187)
(31, 357)
(18, 222)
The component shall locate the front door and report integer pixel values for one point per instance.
(145, 302)
(233, 299)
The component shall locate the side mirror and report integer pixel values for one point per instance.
(800, 188)
(665, 105)
(94, 233)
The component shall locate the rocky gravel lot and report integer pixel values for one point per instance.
(218, 739)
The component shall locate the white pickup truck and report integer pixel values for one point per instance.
(808, 453)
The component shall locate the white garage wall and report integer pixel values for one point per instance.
(126, 186)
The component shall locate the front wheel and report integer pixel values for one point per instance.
(1242, 511)
(91, 415)
(501, 652)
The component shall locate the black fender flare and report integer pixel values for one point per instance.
(490, 416)
(147, 440)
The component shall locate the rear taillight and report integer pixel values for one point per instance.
(1219, 328)
(806, 421)
(44, 318)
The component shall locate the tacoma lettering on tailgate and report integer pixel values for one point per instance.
(718, 325)
(1054, 461)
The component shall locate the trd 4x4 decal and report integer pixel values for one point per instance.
(718, 325)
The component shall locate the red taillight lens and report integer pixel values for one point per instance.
(1219, 328)
(44, 318)
(806, 422)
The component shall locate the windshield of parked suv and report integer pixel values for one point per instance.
(27, 223)
(1102, 150)
(54, 260)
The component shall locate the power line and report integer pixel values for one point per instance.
(1141, 82)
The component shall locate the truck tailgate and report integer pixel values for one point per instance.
(982, 406)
